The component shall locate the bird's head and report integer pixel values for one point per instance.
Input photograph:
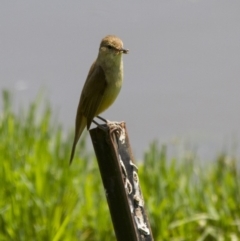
(112, 46)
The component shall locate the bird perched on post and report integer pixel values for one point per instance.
(102, 85)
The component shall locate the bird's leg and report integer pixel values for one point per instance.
(113, 125)
(104, 120)
(100, 126)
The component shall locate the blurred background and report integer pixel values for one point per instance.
(181, 81)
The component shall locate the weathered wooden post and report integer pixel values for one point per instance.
(120, 179)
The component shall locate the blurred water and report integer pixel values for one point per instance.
(181, 75)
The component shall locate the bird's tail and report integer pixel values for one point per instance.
(78, 132)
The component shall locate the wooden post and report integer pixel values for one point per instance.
(120, 179)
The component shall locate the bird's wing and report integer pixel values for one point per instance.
(92, 93)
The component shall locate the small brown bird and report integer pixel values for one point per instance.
(102, 85)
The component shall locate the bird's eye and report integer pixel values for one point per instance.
(109, 47)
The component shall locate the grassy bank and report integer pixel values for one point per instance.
(42, 198)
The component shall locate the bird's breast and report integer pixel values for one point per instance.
(114, 83)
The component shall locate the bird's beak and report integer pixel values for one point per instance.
(124, 51)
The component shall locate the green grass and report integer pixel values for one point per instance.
(42, 198)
